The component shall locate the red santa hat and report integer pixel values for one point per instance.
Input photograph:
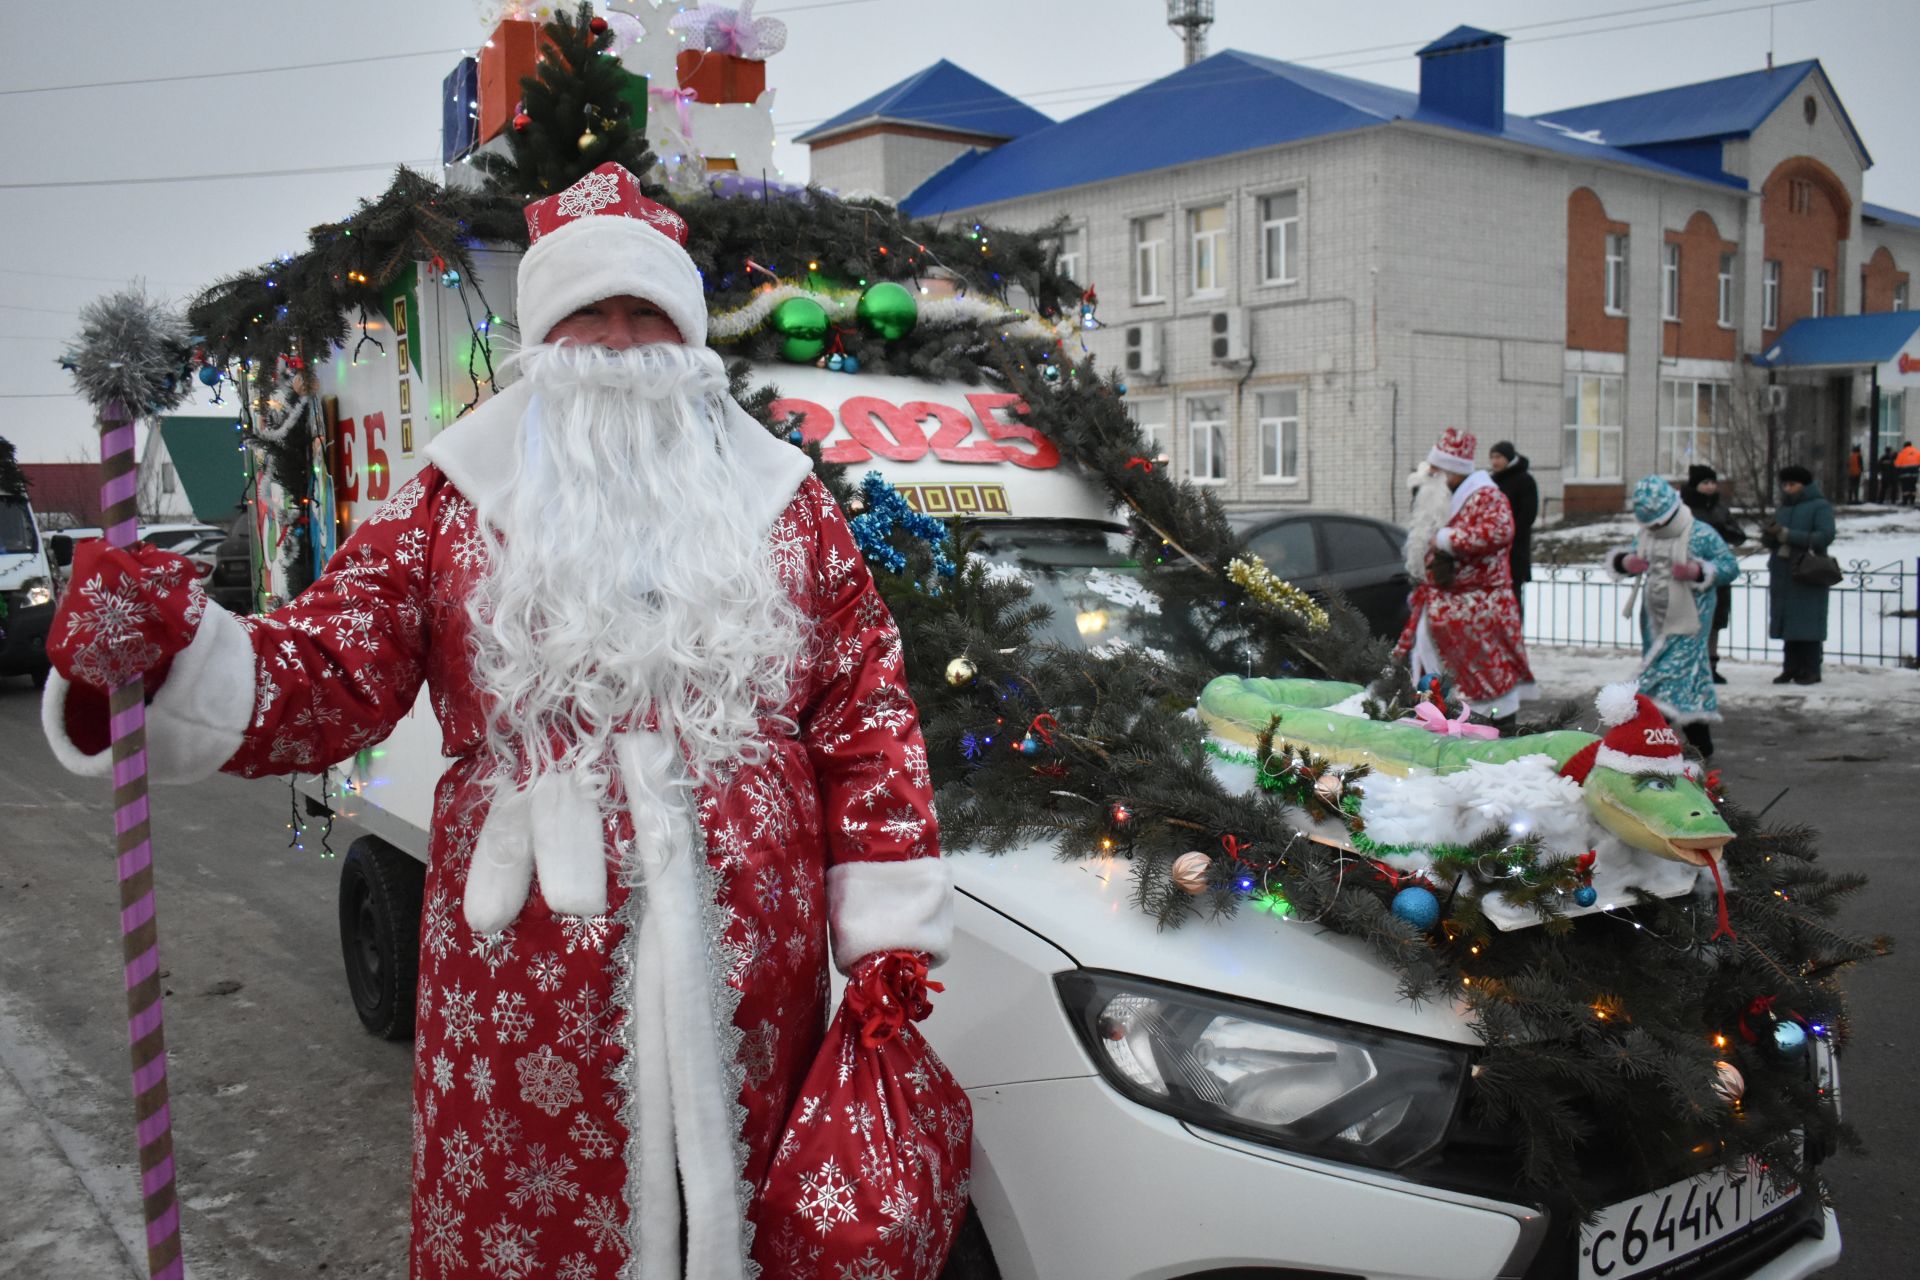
(1454, 452)
(1638, 738)
(598, 239)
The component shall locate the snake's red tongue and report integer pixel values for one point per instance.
(1723, 927)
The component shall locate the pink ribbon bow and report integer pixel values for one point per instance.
(1434, 720)
(680, 98)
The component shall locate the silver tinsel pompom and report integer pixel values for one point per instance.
(132, 350)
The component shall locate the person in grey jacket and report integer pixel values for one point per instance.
(1797, 613)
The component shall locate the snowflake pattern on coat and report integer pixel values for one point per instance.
(1475, 619)
(1678, 675)
(519, 1148)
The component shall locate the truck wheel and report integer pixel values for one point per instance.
(380, 894)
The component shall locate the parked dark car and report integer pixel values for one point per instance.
(1319, 551)
(230, 585)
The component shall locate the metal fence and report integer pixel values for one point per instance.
(1873, 615)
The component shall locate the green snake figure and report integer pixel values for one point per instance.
(1635, 782)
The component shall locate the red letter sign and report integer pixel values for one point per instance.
(1044, 455)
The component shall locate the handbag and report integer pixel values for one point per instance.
(1813, 569)
(872, 1171)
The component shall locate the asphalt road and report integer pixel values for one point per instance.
(291, 1124)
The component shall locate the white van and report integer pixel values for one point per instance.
(26, 589)
(1343, 1152)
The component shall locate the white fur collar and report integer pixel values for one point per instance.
(477, 453)
(1471, 485)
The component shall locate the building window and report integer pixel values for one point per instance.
(166, 477)
(1151, 417)
(1207, 439)
(1693, 420)
(1070, 242)
(1616, 275)
(1149, 249)
(1900, 296)
(1280, 238)
(1770, 295)
(1726, 290)
(1892, 419)
(1279, 437)
(1800, 195)
(1592, 446)
(1207, 241)
(1670, 283)
(1819, 291)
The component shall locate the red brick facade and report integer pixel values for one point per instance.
(1878, 280)
(1590, 499)
(1698, 333)
(1807, 213)
(1589, 327)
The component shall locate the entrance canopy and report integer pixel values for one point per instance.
(1887, 341)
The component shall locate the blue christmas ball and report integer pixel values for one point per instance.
(210, 374)
(796, 436)
(1585, 895)
(1789, 1037)
(1029, 745)
(450, 278)
(850, 364)
(834, 361)
(1417, 906)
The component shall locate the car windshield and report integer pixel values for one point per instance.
(16, 527)
(1083, 572)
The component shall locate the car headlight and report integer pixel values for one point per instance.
(37, 591)
(1312, 1085)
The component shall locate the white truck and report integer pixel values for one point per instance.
(1285, 1112)
(26, 591)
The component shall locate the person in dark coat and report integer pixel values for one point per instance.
(1884, 487)
(1797, 613)
(1702, 495)
(1510, 472)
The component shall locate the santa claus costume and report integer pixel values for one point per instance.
(1466, 625)
(684, 758)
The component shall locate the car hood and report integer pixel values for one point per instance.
(1086, 909)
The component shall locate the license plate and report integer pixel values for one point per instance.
(1642, 1235)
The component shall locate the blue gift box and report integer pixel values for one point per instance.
(459, 110)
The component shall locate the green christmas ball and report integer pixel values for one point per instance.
(887, 311)
(802, 325)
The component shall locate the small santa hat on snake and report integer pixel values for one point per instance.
(1638, 738)
(1454, 452)
(599, 239)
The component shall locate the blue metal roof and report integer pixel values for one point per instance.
(1892, 217)
(1842, 341)
(1732, 106)
(1230, 102)
(942, 96)
(1462, 37)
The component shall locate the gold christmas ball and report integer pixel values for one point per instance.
(1330, 787)
(589, 140)
(1189, 871)
(960, 672)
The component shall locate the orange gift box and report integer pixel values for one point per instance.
(508, 56)
(721, 77)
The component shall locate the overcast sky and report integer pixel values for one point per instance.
(68, 238)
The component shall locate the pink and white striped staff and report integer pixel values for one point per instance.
(132, 356)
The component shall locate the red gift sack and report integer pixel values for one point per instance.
(871, 1175)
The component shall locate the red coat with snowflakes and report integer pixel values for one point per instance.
(522, 1091)
(1474, 621)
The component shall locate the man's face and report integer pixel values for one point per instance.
(617, 323)
(1454, 479)
(1708, 487)
(1791, 488)
(1496, 462)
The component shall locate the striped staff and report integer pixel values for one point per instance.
(132, 355)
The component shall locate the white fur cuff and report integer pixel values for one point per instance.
(1444, 540)
(889, 906)
(196, 721)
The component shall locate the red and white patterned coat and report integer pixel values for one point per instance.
(1474, 621)
(522, 1083)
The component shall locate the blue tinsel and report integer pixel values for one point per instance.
(887, 510)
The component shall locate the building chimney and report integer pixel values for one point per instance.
(1463, 74)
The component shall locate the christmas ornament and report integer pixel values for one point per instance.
(1049, 371)
(960, 673)
(521, 121)
(210, 375)
(887, 311)
(849, 364)
(802, 326)
(796, 436)
(835, 361)
(1330, 786)
(1120, 816)
(1029, 746)
(1728, 1081)
(1585, 895)
(1417, 906)
(1189, 871)
(1789, 1037)
(588, 141)
(450, 278)
(598, 25)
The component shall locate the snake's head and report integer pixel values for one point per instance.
(1664, 813)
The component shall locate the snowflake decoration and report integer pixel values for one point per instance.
(594, 1141)
(439, 925)
(456, 1010)
(827, 1197)
(480, 1078)
(509, 1251)
(867, 1268)
(601, 1220)
(495, 949)
(548, 1081)
(541, 1181)
(589, 195)
(576, 1266)
(499, 1132)
(440, 1235)
(511, 1021)
(545, 971)
(585, 933)
(583, 1022)
(462, 1156)
(757, 1051)
(442, 1072)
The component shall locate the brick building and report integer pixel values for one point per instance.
(1308, 276)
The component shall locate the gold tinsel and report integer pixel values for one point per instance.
(1251, 574)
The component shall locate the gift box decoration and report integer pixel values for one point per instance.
(459, 110)
(721, 77)
(634, 94)
(507, 58)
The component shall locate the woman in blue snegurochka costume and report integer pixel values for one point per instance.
(1680, 560)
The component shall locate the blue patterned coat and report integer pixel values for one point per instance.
(1679, 676)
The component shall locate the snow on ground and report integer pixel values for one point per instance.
(1871, 615)
(1888, 693)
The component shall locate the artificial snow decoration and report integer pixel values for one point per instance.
(1615, 703)
(1130, 592)
(131, 351)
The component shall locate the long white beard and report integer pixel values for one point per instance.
(1431, 501)
(629, 584)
